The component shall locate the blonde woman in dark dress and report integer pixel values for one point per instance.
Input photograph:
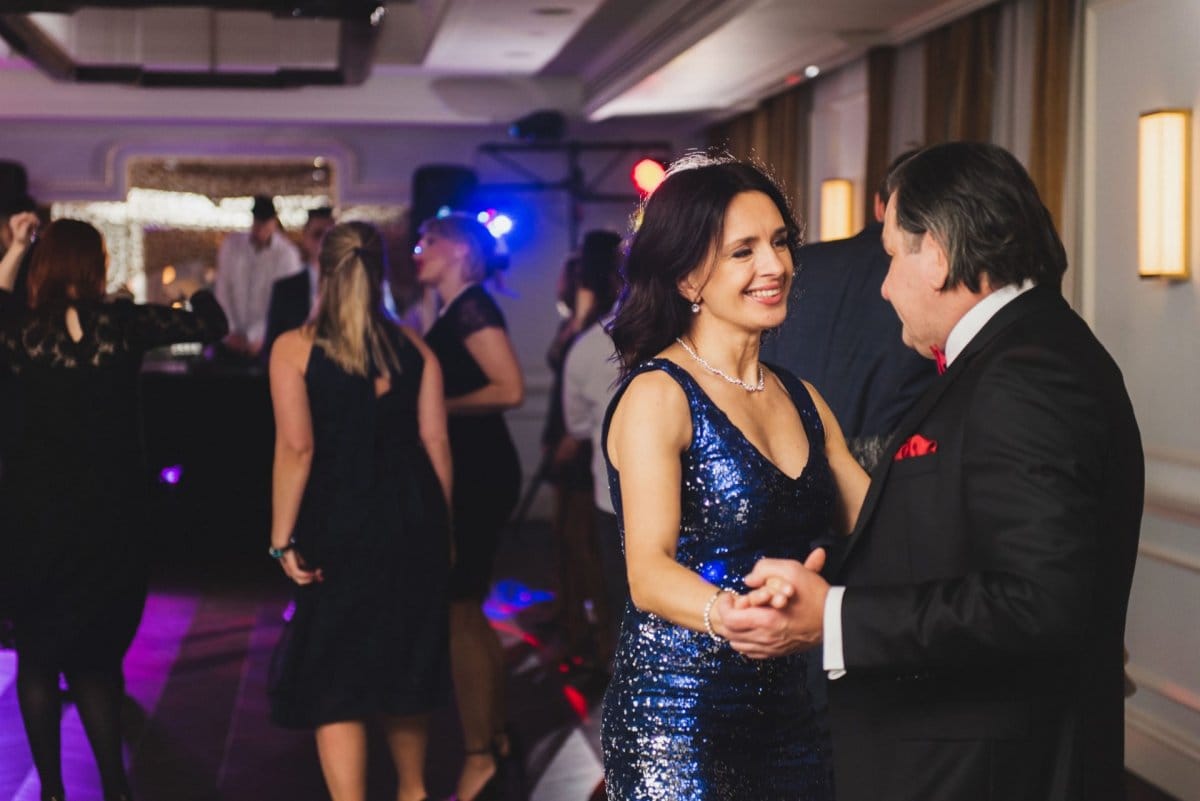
(361, 488)
(483, 379)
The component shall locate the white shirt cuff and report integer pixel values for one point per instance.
(835, 659)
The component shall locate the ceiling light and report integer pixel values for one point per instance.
(812, 71)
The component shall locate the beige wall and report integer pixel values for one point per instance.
(1142, 55)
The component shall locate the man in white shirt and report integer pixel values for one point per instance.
(248, 265)
(590, 375)
(973, 633)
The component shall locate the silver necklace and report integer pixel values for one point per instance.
(722, 374)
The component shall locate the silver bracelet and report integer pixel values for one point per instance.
(708, 615)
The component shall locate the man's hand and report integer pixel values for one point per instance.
(758, 627)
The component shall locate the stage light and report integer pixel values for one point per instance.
(647, 174)
(443, 212)
(171, 475)
(500, 225)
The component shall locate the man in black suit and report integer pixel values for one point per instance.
(974, 632)
(844, 338)
(293, 297)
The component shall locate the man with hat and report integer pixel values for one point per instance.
(248, 265)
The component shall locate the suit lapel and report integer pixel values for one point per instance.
(1036, 299)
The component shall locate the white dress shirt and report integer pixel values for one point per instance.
(589, 379)
(961, 335)
(245, 276)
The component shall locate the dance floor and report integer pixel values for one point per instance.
(197, 708)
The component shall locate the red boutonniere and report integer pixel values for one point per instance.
(916, 445)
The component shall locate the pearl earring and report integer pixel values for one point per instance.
(695, 307)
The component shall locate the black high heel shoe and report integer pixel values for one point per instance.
(490, 791)
(509, 753)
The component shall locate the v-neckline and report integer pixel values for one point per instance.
(742, 434)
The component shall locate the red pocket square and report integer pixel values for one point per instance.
(916, 445)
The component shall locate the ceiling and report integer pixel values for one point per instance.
(431, 61)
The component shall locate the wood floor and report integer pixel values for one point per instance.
(196, 706)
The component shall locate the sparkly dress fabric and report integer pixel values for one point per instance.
(686, 717)
(75, 490)
(372, 637)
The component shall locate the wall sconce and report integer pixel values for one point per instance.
(837, 209)
(1164, 162)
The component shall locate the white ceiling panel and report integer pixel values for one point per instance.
(516, 37)
(464, 61)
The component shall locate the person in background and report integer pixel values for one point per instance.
(248, 265)
(74, 493)
(841, 335)
(14, 200)
(293, 298)
(359, 522)
(483, 378)
(587, 612)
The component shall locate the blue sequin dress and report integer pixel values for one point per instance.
(689, 719)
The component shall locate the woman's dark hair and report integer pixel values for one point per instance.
(600, 271)
(981, 206)
(484, 261)
(683, 222)
(67, 264)
(351, 323)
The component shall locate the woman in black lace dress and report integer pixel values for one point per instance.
(483, 379)
(361, 490)
(74, 489)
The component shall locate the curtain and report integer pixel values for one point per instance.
(960, 62)
(881, 65)
(775, 135)
(1051, 102)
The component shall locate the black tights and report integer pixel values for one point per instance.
(97, 692)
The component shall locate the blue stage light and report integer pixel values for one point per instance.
(500, 225)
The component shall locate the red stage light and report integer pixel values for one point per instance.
(647, 174)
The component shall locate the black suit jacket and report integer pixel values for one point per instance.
(843, 337)
(291, 303)
(987, 583)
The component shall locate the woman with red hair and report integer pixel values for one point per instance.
(74, 487)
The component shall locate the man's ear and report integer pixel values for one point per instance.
(938, 268)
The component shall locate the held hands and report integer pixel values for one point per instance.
(782, 614)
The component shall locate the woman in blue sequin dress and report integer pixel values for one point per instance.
(714, 462)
